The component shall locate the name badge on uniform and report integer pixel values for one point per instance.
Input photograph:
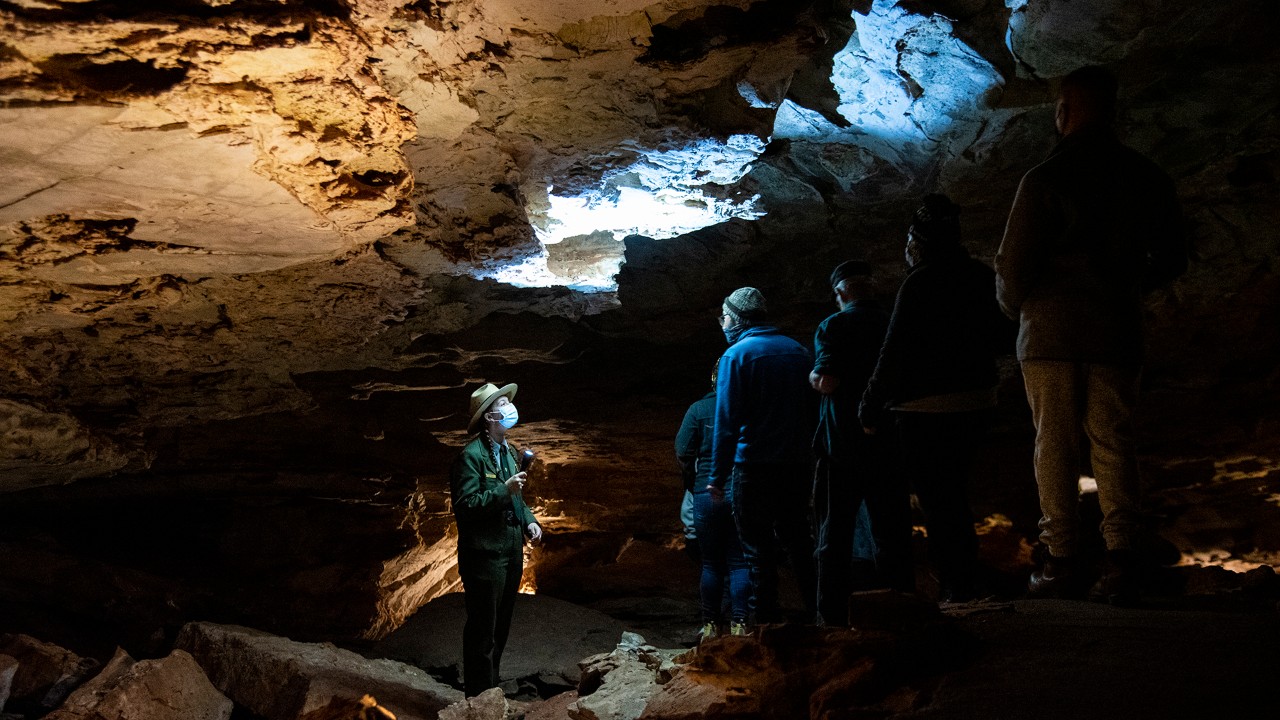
(492, 476)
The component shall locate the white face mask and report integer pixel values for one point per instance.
(510, 416)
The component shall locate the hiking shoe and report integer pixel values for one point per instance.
(1118, 584)
(737, 628)
(707, 631)
(1056, 579)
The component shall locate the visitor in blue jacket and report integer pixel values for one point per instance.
(764, 424)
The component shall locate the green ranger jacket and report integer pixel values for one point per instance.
(488, 518)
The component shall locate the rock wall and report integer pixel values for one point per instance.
(254, 256)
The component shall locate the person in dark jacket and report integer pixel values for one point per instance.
(853, 484)
(938, 376)
(761, 447)
(722, 559)
(1092, 228)
(493, 522)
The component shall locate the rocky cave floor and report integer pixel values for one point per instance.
(1204, 642)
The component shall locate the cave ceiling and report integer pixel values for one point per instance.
(280, 239)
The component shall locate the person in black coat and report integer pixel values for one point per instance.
(937, 375)
(854, 488)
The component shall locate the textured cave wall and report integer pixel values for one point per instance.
(246, 252)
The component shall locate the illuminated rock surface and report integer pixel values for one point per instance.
(255, 255)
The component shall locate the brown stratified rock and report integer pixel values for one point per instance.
(81, 703)
(280, 679)
(553, 708)
(171, 688)
(618, 685)
(781, 672)
(46, 673)
(488, 705)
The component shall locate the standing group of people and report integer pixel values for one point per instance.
(768, 459)
(788, 431)
(919, 379)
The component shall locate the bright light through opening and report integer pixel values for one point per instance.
(661, 195)
(660, 214)
(664, 193)
(907, 85)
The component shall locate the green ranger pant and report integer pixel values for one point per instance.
(490, 581)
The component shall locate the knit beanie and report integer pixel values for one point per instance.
(848, 269)
(746, 304)
(937, 221)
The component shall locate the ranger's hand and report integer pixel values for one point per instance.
(534, 531)
(515, 483)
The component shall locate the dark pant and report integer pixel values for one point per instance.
(864, 519)
(937, 454)
(771, 509)
(489, 585)
(722, 560)
(1071, 402)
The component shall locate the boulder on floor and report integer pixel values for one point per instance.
(617, 685)
(488, 705)
(45, 673)
(170, 688)
(280, 679)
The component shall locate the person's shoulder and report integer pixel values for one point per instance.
(833, 322)
(858, 315)
(918, 276)
(1044, 174)
(768, 341)
(470, 454)
(473, 447)
(1142, 165)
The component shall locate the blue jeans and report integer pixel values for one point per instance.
(771, 509)
(722, 560)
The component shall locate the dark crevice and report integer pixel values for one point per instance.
(379, 178)
(684, 39)
(141, 10)
(80, 72)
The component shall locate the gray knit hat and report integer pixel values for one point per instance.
(746, 304)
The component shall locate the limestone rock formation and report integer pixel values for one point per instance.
(170, 688)
(279, 679)
(41, 674)
(254, 256)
